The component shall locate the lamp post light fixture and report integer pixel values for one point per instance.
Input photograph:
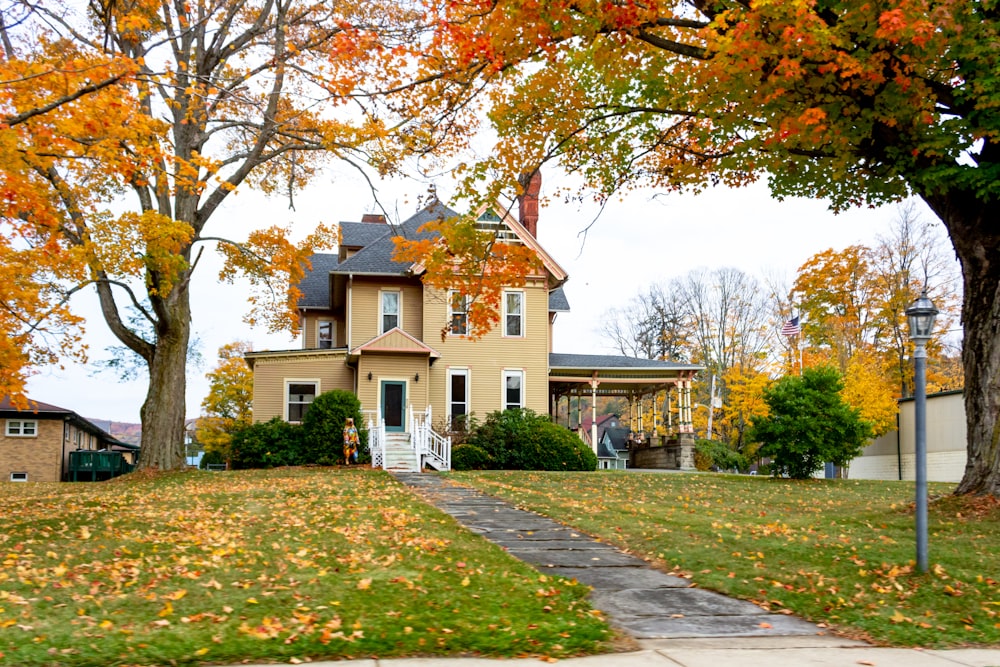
(920, 317)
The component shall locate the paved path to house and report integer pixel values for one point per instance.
(674, 624)
(648, 604)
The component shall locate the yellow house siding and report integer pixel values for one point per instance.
(398, 367)
(366, 307)
(486, 359)
(38, 456)
(310, 329)
(270, 376)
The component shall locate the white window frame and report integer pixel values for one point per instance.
(16, 428)
(381, 310)
(453, 296)
(19, 477)
(506, 314)
(509, 372)
(452, 372)
(286, 401)
(319, 334)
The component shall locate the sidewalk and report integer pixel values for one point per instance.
(673, 623)
(707, 656)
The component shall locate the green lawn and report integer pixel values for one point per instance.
(282, 565)
(834, 551)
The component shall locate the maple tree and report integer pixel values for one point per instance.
(229, 403)
(134, 123)
(849, 101)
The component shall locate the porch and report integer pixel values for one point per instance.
(664, 384)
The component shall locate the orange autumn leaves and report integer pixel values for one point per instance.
(279, 565)
(474, 263)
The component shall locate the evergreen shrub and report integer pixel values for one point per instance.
(469, 457)
(266, 445)
(323, 428)
(523, 440)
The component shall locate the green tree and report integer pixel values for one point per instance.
(855, 102)
(229, 403)
(808, 424)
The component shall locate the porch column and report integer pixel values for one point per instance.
(593, 412)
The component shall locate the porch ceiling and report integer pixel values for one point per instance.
(571, 374)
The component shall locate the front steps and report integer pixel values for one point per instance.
(399, 455)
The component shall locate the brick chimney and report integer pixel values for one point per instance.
(527, 203)
(376, 218)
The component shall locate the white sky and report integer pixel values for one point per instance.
(637, 240)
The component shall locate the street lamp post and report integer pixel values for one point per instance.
(920, 317)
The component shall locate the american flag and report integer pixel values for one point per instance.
(791, 327)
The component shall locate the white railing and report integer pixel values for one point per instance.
(376, 441)
(429, 445)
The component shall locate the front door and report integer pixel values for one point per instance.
(393, 402)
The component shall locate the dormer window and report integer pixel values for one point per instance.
(325, 335)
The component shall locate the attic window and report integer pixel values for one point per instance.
(491, 223)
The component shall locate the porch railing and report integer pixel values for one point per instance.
(431, 447)
(376, 440)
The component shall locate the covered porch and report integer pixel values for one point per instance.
(665, 385)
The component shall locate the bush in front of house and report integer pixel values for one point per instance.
(716, 455)
(323, 428)
(266, 445)
(469, 457)
(523, 440)
(211, 457)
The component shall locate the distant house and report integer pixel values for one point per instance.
(612, 447)
(892, 455)
(36, 443)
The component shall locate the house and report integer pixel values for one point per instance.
(892, 456)
(613, 446)
(370, 326)
(37, 443)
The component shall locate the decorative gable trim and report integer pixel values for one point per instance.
(558, 274)
(395, 340)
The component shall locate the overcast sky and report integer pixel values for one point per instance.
(642, 238)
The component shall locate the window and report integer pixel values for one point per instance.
(390, 310)
(324, 335)
(22, 428)
(300, 395)
(458, 313)
(19, 477)
(458, 399)
(513, 314)
(513, 390)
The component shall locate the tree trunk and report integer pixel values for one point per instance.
(975, 232)
(163, 411)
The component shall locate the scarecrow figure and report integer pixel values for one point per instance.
(350, 442)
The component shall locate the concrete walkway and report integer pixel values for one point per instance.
(672, 622)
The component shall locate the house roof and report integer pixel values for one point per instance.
(376, 257)
(604, 452)
(42, 410)
(360, 234)
(603, 361)
(315, 285)
(618, 436)
(557, 301)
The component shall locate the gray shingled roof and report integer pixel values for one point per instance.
(315, 285)
(557, 301)
(360, 234)
(376, 257)
(560, 360)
